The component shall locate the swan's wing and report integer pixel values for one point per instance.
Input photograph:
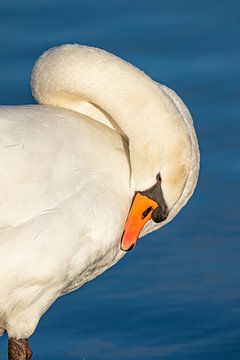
(48, 155)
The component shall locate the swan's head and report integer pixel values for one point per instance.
(163, 176)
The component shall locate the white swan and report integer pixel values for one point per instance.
(68, 180)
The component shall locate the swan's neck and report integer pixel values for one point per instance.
(92, 111)
(136, 106)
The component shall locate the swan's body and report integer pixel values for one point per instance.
(46, 249)
(67, 180)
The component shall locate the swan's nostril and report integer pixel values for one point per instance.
(146, 212)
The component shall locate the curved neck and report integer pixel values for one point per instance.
(144, 113)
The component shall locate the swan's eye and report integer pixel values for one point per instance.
(158, 177)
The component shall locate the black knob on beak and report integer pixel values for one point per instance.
(159, 215)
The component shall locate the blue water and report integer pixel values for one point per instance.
(177, 295)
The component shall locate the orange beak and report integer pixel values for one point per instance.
(140, 212)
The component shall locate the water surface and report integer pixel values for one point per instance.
(176, 296)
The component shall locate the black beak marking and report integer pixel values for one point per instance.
(158, 215)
